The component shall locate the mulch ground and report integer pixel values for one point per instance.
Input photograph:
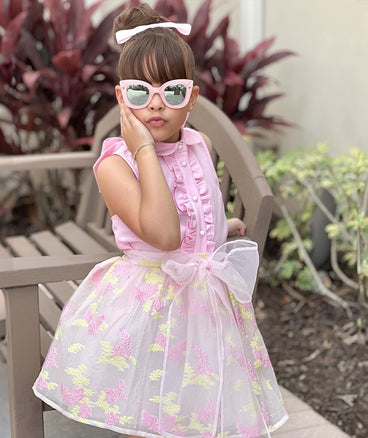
(318, 354)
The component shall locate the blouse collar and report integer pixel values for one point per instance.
(187, 138)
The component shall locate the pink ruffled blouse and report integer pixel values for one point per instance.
(192, 179)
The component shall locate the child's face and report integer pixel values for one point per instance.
(162, 121)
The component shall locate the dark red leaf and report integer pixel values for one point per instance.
(98, 42)
(88, 71)
(173, 10)
(263, 46)
(83, 141)
(220, 30)
(64, 116)
(76, 15)
(231, 98)
(15, 7)
(27, 51)
(68, 61)
(257, 107)
(3, 15)
(30, 78)
(201, 20)
(47, 77)
(276, 57)
(8, 147)
(11, 35)
(83, 26)
(59, 19)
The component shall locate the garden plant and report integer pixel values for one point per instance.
(299, 178)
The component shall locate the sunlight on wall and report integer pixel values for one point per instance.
(326, 85)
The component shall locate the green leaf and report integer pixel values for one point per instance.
(333, 230)
(281, 231)
(304, 280)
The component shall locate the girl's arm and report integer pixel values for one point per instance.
(146, 206)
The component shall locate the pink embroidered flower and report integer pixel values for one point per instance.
(85, 411)
(206, 414)
(146, 293)
(257, 354)
(199, 309)
(251, 371)
(157, 304)
(177, 351)
(41, 384)
(169, 423)
(266, 361)
(112, 419)
(246, 307)
(50, 358)
(238, 316)
(161, 340)
(123, 348)
(202, 366)
(265, 413)
(118, 393)
(109, 289)
(150, 420)
(248, 431)
(262, 356)
(71, 398)
(138, 294)
(93, 325)
(237, 354)
(123, 268)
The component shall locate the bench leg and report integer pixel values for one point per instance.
(23, 339)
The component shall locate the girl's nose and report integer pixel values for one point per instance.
(156, 103)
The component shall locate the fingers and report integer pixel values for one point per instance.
(133, 131)
(236, 227)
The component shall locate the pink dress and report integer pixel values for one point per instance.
(165, 343)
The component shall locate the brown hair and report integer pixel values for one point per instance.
(155, 55)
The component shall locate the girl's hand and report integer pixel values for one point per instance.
(235, 227)
(133, 130)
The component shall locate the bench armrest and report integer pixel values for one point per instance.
(23, 271)
(60, 160)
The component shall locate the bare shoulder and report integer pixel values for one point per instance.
(116, 182)
(207, 141)
(111, 168)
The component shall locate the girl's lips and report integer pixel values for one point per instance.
(156, 121)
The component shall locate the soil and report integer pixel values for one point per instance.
(318, 354)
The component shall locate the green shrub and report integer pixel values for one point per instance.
(298, 178)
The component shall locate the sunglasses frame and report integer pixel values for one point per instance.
(124, 85)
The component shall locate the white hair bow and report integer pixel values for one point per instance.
(124, 35)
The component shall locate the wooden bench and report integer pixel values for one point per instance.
(39, 273)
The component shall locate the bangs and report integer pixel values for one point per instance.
(156, 59)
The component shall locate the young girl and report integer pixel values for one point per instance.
(163, 341)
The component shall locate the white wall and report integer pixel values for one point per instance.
(327, 84)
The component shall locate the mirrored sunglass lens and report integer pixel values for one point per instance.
(137, 94)
(175, 94)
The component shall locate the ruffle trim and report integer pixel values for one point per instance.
(185, 203)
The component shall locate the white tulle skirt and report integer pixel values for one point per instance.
(165, 344)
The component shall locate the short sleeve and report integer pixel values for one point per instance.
(116, 146)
